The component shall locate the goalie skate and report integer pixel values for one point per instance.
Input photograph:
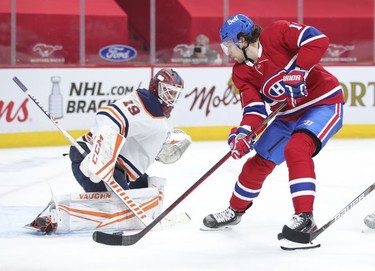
(42, 224)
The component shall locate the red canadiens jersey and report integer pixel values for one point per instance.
(282, 47)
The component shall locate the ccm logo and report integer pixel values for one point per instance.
(97, 149)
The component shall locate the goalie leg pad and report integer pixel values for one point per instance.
(158, 183)
(103, 210)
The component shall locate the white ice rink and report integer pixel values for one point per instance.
(344, 169)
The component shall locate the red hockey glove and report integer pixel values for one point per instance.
(295, 86)
(238, 142)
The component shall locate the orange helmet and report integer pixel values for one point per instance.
(168, 86)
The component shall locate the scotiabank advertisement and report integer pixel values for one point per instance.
(73, 95)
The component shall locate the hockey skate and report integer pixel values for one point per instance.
(303, 222)
(43, 224)
(222, 220)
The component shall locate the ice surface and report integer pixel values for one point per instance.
(344, 169)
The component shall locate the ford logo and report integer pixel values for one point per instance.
(117, 53)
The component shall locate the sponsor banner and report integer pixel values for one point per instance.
(117, 53)
(358, 84)
(208, 100)
(73, 95)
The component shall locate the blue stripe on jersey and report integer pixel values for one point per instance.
(299, 185)
(84, 137)
(128, 163)
(124, 118)
(308, 34)
(255, 108)
(151, 102)
(115, 121)
(266, 99)
(245, 193)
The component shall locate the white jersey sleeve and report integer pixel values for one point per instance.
(139, 118)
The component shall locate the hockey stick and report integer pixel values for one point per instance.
(116, 188)
(127, 240)
(305, 238)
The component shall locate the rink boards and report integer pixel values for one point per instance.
(206, 111)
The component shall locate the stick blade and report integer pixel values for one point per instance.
(296, 236)
(115, 239)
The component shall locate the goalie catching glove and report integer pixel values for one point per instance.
(174, 147)
(99, 164)
(238, 141)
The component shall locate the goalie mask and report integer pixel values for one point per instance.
(168, 86)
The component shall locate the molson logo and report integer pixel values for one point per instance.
(117, 53)
(12, 112)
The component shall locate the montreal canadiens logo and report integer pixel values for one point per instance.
(273, 88)
(117, 53)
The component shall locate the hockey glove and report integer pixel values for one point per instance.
(99, 164)
(295, 86)
(238, 142)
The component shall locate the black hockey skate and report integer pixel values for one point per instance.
(303, 222)
(222, 220)
(42, 224)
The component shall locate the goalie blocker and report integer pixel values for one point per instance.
(100, 163)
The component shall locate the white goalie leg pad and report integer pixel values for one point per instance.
(158, 183)
(100, 162)
(174, 147)
(102, 211)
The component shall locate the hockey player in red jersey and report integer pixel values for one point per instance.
(276, 64)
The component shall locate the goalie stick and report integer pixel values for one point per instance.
(117, 189)
(305, 238)
(128, 240)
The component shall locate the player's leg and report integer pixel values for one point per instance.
(312, 132)
(248, 186)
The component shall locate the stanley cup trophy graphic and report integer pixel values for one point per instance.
(56, 99)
